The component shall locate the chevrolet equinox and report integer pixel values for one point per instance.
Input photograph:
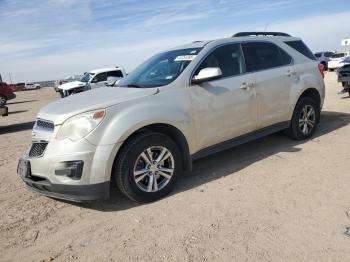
(178, 106)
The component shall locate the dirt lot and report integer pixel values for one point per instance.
(270, 200)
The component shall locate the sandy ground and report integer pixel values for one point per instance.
(270, 200)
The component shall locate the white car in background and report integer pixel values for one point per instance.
(66, 80)
(336, 60)
(31, 86)
(91, 80)
(323, 58)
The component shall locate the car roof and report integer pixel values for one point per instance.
(203, 43)
(102, 70)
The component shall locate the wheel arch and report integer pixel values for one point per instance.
(173, 132)
(312, 93)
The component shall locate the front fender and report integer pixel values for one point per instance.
(122, 121)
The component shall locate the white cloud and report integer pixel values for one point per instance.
(319, 32)
(69, 45)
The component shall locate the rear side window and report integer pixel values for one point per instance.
(301, 48)
(229, 58)
(264, 55)
(318, 55)
(116, 73)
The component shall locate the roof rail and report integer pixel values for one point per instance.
(260, 33)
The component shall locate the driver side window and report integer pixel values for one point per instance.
(100, 77)
(228, 58)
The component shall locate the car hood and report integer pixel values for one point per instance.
(104, 97)
(72, 85)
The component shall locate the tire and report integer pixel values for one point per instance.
(3, 101)
(133, 163)
(61, 93)
(297, 128)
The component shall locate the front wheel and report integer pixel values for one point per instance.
(305, 119)
(147, 167)
(2, 101)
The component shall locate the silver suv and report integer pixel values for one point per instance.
(178, 106)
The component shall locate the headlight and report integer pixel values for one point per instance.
(79, 126)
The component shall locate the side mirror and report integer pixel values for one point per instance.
(207, 74)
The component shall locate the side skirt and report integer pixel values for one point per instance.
(240, 140)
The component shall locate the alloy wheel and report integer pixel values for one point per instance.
(154, 169)
(307, 119)
(2, 101)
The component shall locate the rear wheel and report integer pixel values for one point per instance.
(147, 167)
(2, 100)
(305, 119)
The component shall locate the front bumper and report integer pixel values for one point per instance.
(93, 181)
(76, 193)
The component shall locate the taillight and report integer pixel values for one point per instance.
(321, 68)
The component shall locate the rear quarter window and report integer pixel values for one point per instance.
(301, 48)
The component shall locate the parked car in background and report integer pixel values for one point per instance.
(323, 58)
(336, 60)
(66, 80)
(31, 86)
(91, 80)
(344, 75)
(6, 94)
(180, 105)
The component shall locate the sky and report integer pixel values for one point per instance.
(52, 39)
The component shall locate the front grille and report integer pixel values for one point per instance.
(45, 124)
(37, 149)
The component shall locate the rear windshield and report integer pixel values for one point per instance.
(301, 48)
(318, 55)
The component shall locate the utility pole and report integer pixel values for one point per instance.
(10, 78)
(266, 26)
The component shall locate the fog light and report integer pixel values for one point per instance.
(71, 169)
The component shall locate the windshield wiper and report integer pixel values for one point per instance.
(135, 85)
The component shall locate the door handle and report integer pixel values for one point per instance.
(290, 73)
(246, 86)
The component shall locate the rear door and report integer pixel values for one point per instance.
(273, 72)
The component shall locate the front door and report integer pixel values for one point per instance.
(99, 80)
(225, 108)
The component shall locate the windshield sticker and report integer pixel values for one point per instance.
(169, 77)
(185, 58)
(193, 51)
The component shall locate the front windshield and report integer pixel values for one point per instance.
(87, 77)
(160, 69)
